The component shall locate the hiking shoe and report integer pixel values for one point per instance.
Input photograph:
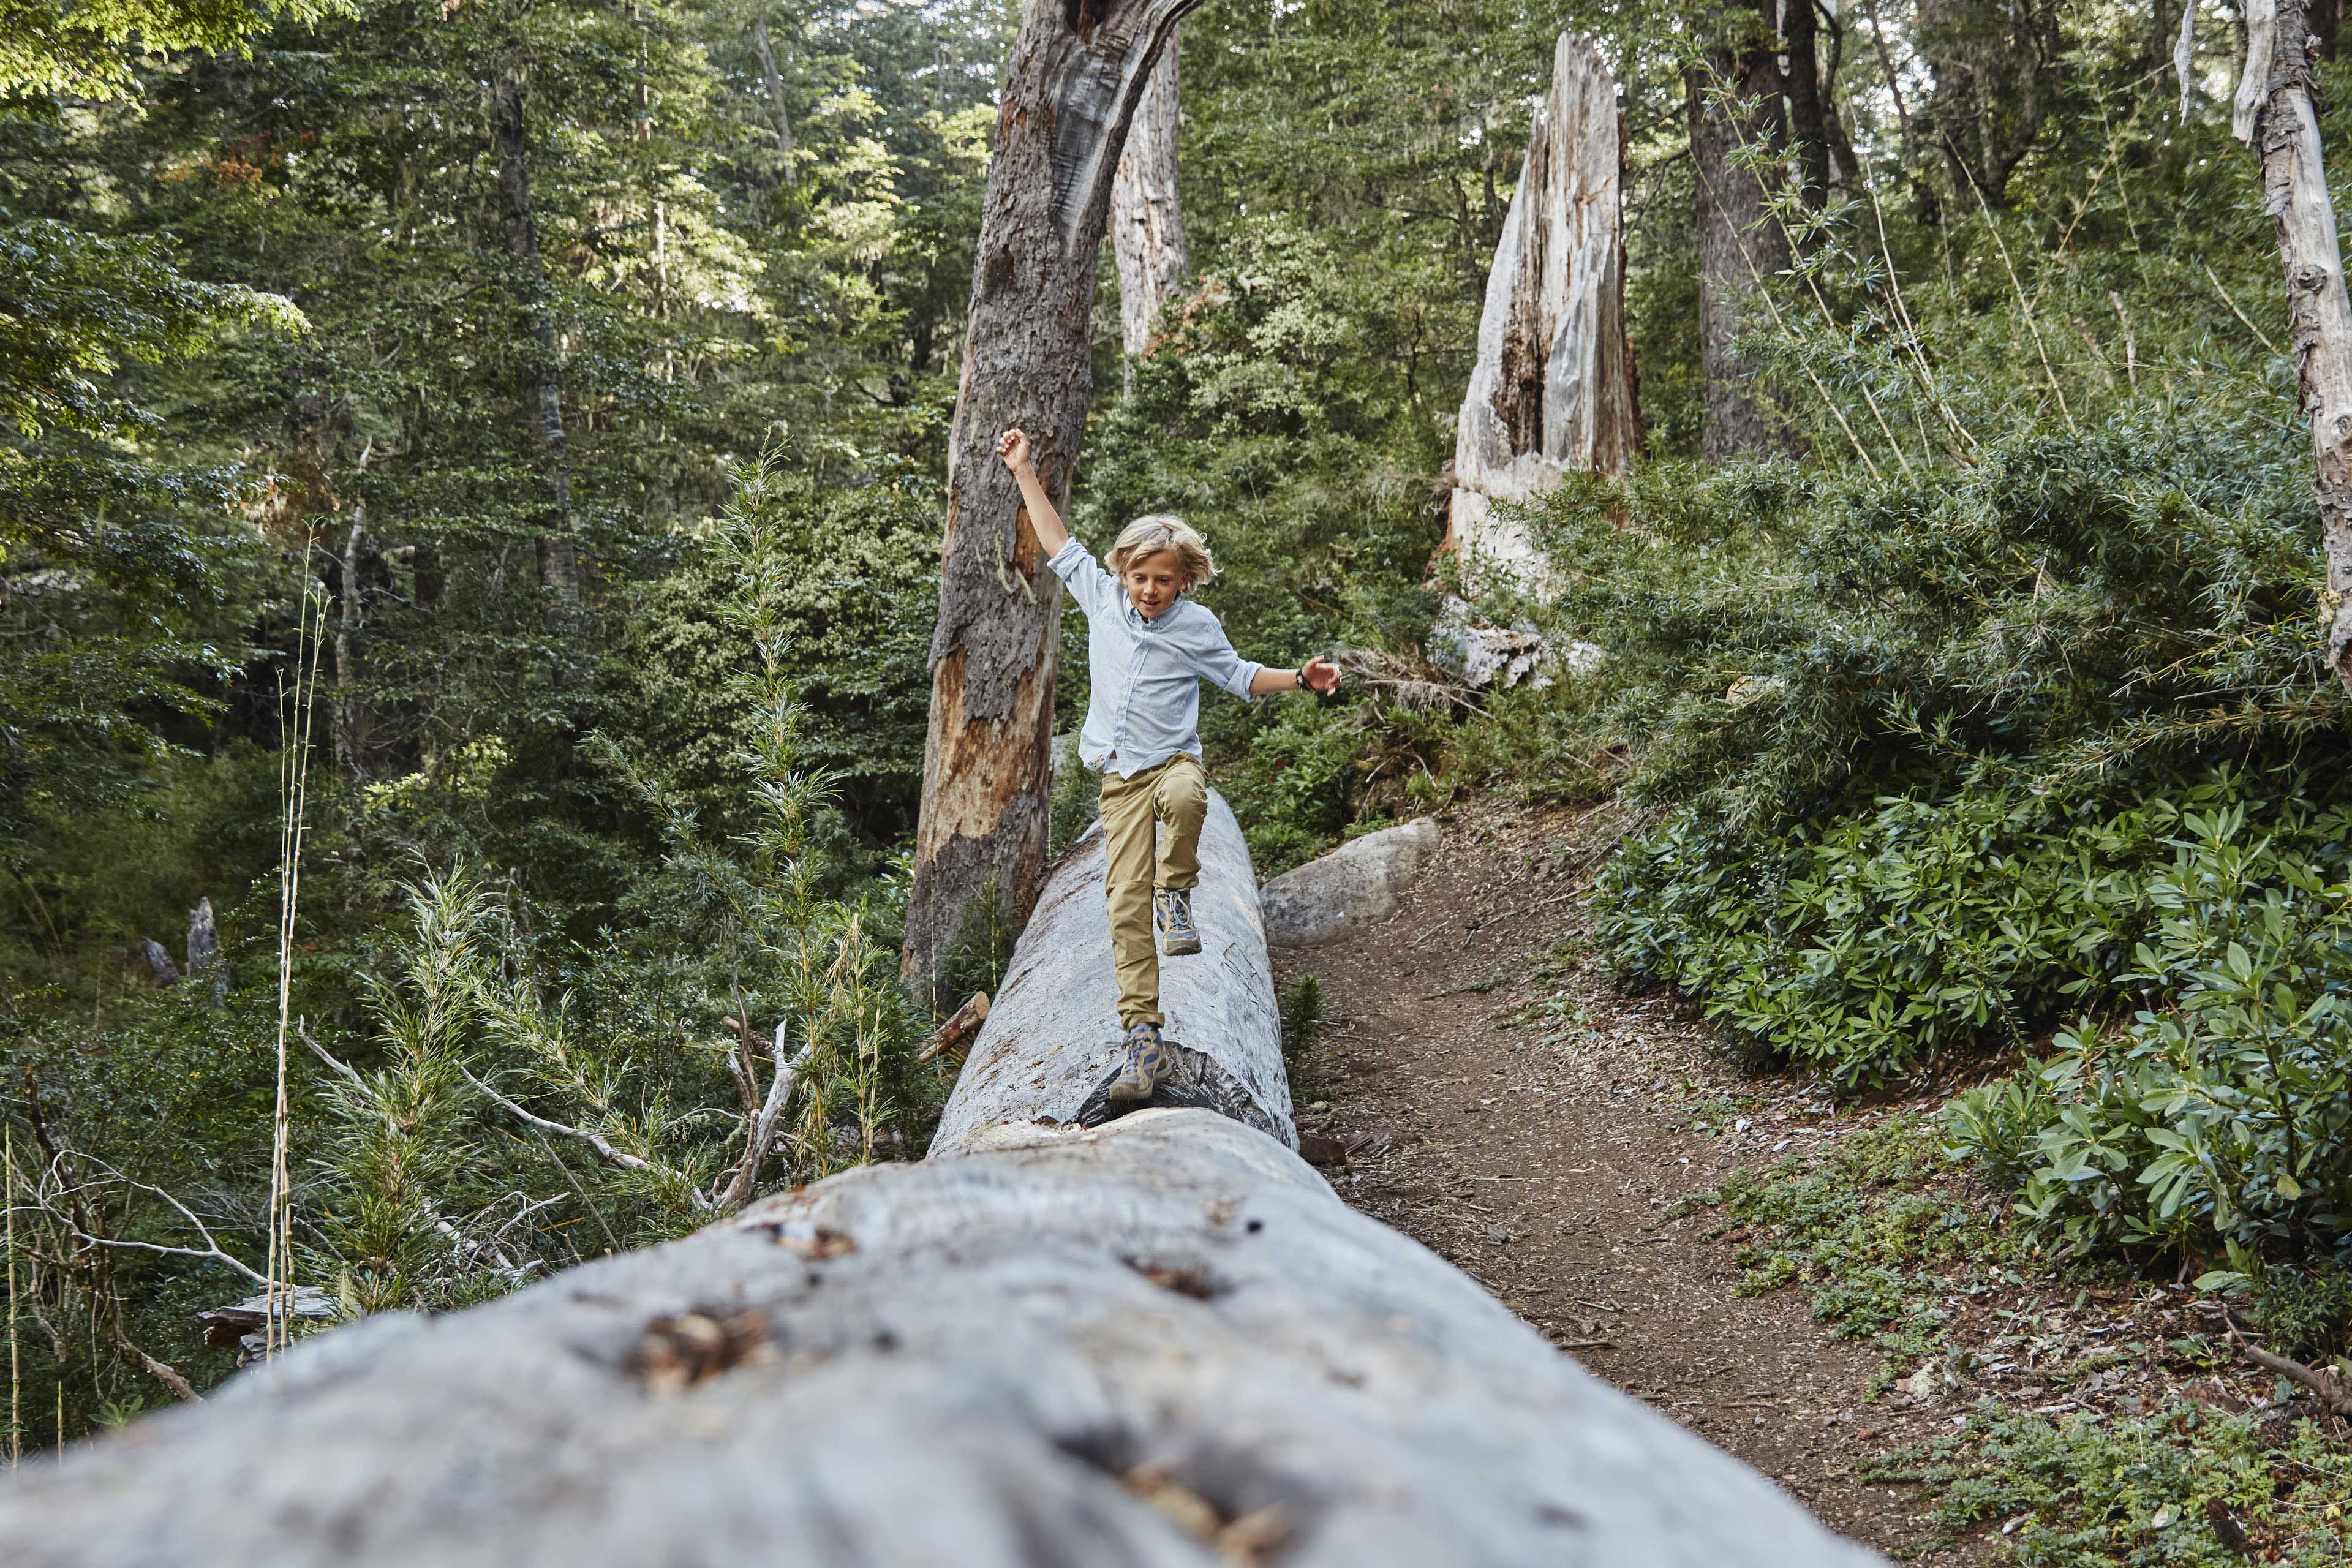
(1146, 1060)
(1172, 911)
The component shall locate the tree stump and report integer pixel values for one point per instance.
(1552, 391)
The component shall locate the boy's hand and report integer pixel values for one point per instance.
(1319, 674)
(1013, 448)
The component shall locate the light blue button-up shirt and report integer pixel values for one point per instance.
(1146, 703)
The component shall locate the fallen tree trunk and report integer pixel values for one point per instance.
(1052, 1039)
(1160, 1342)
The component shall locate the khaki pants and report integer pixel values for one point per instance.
(1176, 795)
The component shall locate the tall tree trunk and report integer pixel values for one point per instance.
(2327, 17)
(351, 704)
(1147, 219)
(1077, 70)
(1740, 246)
(2294, 191)
(1808, 129)
(775, 81)
(559, 553)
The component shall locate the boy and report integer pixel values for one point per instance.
(1149, 647)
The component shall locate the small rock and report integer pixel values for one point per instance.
(1353, 887)
(1318, 1150)
(1498, 1236)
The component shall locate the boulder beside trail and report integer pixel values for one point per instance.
(1354, 886)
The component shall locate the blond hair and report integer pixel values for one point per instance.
(1162, 531)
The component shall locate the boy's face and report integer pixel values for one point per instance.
(1153, 582)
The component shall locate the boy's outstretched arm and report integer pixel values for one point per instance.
(1012, 446)
(1316, 674)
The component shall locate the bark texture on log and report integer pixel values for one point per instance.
(1741, 248)
(559, 551)
(1044, 1356)
(1077, 70)
(2285, 126)
(1146, 218)
(1053, 1036)
(1552, 391)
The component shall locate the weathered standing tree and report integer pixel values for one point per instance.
(1553, 390)
(2284, 129)
(1735, 104)
(1146, 218)
(1078, 70)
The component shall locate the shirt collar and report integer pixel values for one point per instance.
(1142, 622)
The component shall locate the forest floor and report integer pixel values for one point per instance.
(1565, 1143)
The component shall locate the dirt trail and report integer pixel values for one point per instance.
(1515, 1115)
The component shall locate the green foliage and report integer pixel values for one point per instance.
(658, 1056)
(2137, 1491)
(89, 48)
(2219, 1114)
(1303, 1005)
(1870, 941)
(1863, 1229)
(855, 618)
(2306, 1310)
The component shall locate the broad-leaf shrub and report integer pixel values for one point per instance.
(2204, 965)
(2222, 1111)
(1789, 644)
(1866, 943)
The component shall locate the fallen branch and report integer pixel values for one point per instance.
(345, 1068)
(957, 1032)
(760, 1131)
(2335, 1399)
(1415, 687)
(82, 1232)
(593, 1140)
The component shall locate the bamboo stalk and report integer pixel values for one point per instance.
(15, 1364)
(294, 775)
(2024, 305)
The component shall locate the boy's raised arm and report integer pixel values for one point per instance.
(1012, 446)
